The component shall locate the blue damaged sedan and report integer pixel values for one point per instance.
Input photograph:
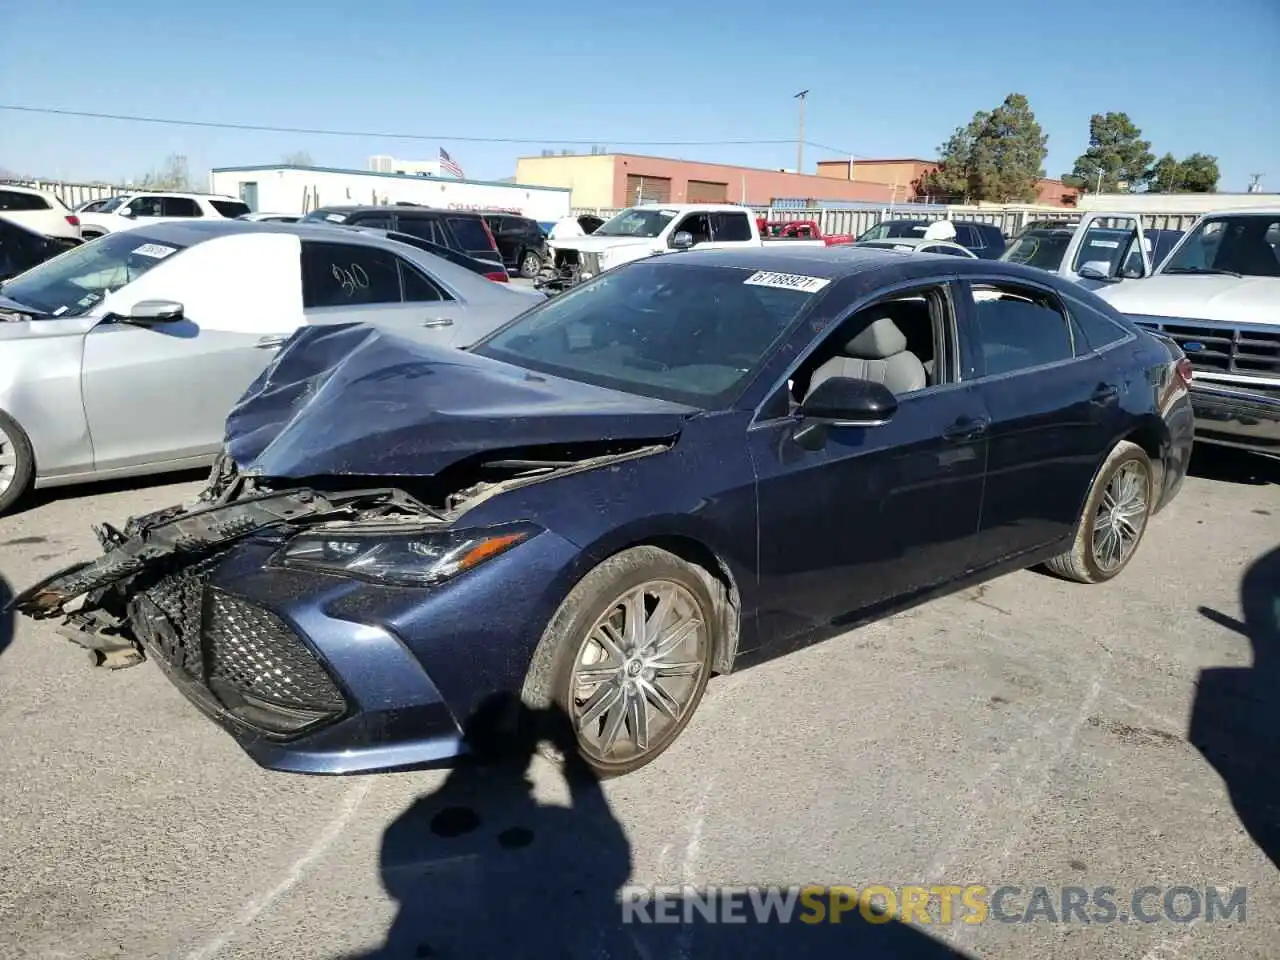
(692, 463)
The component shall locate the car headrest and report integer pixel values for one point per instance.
(879, 341)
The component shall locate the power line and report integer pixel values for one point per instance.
(383, 135)
(310, 131)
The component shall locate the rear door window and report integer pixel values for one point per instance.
(348, 275)
(419, 288)
(181, 207)
(1019, 328)
(376, 221)
(424, 228)
(730, 227)
(471, 235)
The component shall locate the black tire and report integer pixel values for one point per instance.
(24, 462)
(530, 264)
(547, 687)
(1081, 563)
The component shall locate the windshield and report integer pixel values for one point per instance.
(895, 228)
(692, 334)
(636, 223)
(73, 283)
(1248, 245)
(1039, 248)
(230, 208)
(109, 205)
(1104, 246)
(322, 216)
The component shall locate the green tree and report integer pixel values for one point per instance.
(998, 157)
(1008, 154)
(1198, 173)
(1117, 157)
(949, 180)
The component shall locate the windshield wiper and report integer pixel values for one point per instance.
(1207, 270)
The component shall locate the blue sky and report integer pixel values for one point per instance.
(887, 78)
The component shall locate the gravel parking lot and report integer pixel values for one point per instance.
(1028, 733)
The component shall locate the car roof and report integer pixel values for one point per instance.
(16, 188)
(394, 207)
(190, 232)
(831, 263)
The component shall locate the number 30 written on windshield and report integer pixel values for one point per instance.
(351, 279)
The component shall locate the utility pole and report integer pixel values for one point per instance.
(1255, 183)
(801, 96)
(1099, 190)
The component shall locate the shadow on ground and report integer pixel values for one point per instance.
(1229, 465)
(480, 869)
(1235, 721)
(7, 615)
(47, 495)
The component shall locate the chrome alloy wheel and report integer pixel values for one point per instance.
(638, 671)
(8, 461)
(1121, 516)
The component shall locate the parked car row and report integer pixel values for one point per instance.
(95, 339)
(683, 465)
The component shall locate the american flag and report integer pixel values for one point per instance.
(448, 166)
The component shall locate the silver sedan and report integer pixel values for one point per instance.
(920, 245)
(123, 356)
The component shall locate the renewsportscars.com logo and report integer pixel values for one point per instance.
(933, 904)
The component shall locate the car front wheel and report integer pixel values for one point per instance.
(1114, 518)
(626, 658)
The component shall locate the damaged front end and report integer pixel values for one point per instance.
(565, 269)
(122, 603)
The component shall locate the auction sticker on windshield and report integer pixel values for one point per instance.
(786, 281)
(157, 251)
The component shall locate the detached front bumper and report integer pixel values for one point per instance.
(1235, 416)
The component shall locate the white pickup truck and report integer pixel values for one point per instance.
(1218, 296)
(650, 229)
(1097, 250)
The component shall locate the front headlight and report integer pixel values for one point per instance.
(416, 559)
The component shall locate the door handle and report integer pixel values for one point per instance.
(266, 343)
(1106, 393)
(967, 428)
(438, 322)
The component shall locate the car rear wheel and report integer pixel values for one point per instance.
(530, 264)
(17, 463)
(1114, 519)
(626, 658)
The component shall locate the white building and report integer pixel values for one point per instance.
(281, 188)
(385, 164)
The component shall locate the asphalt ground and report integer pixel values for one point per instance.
(1029, 733)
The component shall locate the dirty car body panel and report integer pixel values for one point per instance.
(383, 457)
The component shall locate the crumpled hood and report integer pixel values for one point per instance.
(1198, 297)
(352, 399)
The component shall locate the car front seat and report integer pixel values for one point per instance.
(879, 353)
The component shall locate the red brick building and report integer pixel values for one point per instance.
(906, 172)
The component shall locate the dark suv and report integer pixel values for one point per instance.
(520, 241)
(459, 230)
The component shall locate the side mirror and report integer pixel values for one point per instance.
(126, 212)
(682, 240)
(1098, 270)
(846, 402)
(148, 312)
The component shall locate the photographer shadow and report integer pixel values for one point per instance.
(1235, 720)
(480, 869)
